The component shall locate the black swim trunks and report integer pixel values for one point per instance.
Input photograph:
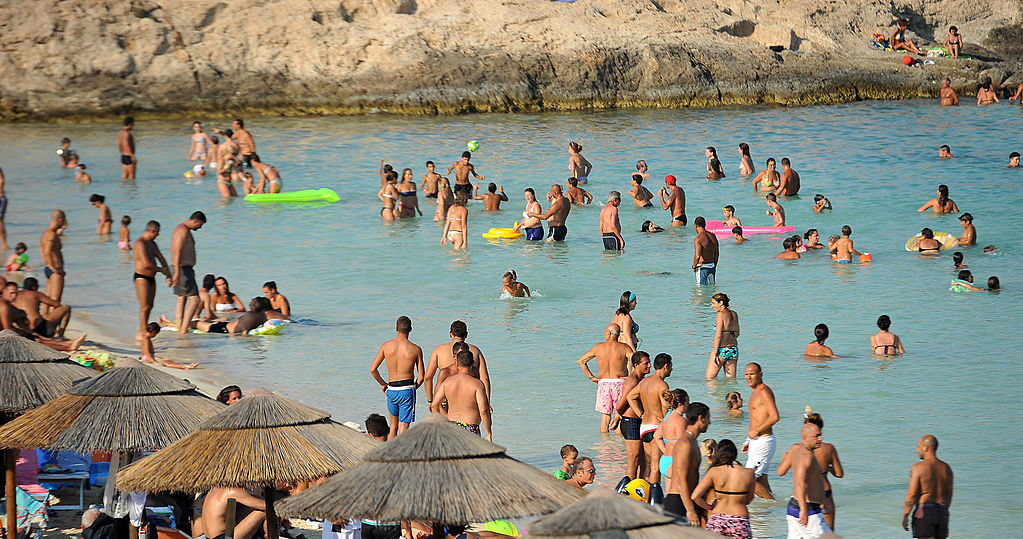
(557, 232)
(151, 279)
(431, 195)
(673, 504)
(217, 327)
(247, 158)
(630, 428)
(125, 159)
(467, 187)
(186, 286)
(930, 520)
(681, 218)
(611, 242)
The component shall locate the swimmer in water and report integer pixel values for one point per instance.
(444, 198)
(223, 299)
(790, 250)
(269, 177)
(249, 184)
(388, 196)
(72, 161)
(105, 220)
(775, 210)
(531, 226)
(944, 152)
(492, 198)
(278, 302)
(725, 348)
(812, 238)
(198, 143)
(82, 176)
(957, 260)
(385, 170)
(641, 167)
(927, 244)
(65, 151)
(844, 247)
(965, 280)
(578, 166)
(1013, 157)
(628, 328)
(714, 170)
(640, 195)
(766, 180)
(884, 342)
(462, 170)
(18, 260)
(511, 286)
(673, 198)
(429, 181)
(788, 183)
(408, 199)
(229, 164)
(746, 162)
(124, 235)
(948, 95)
(730, 218)
(940, 203)
(969, 236)
(149, 354)
(649, 226)
(733, 402)
(456, 225)
(993, 284)
(737, 235)
(576, 194)
(986, 94)
(799, 243)
(816, 347)
(820, 203)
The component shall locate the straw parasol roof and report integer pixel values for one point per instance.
(604, 512)
(129, 408)
(439, 472)
(32, 374)
(260, 440)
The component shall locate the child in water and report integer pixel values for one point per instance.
(733, 400)
(149, 355)
(649, 226)
(730, 218)
(737, 235)
(568, 456)
(124, 235)
(957, 259)
(512, 287)
(993, 284)
(775, 210)
(18, 259)
(82, 176)
(821, 203)
(707, 449)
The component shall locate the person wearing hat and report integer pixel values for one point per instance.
(610, 227)
(673, 197)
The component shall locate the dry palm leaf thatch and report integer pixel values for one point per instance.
(129, 408)
(605, 512)
(438, 472)
(260, 440)
(32, 374)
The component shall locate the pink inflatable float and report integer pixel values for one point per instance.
(717, 227)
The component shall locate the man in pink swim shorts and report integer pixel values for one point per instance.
(612, 368)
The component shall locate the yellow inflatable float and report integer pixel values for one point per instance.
(503, 233)
(948, 241)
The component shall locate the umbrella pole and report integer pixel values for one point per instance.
(272, 528)
(10, 461)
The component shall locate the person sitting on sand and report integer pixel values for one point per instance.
(969, 236)
(812, 238)
(18, 260)
(790, 250)
(940, 203)
(844, 247)
(821, 203)
(945, 152)
(649, 226)
(953, 42)
(816, 347)
(964, 282)
(986, 94)
(884, 342)
(512, 287)
(898, 39)
(641, 196)
(14, 319)
(737, 235)
(149, 355)
(51, 324)
(733, 402)
(1014, 156)
(215, 513)
(251, 319)
(767, 179)
(223, 299)
(927, 244)
(568, 456)
(278, 302)
(775, 210)
(730, 218)
(947, 94)
(576, 194)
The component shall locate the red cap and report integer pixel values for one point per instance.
(907, 60)
(669, 179)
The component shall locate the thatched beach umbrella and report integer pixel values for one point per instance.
(258, 441)
(607, 514)
(438, 472)
(30, 375)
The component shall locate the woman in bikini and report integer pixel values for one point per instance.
(767, 180)
(531, 226)
(732, 484)
(816, 347)
(225, 171)
(928, 245)
(444, 199)
(746, 164)
(940, 203)
(725, 350)
(199, 143)
(223, 299)
(714, 170)
(884, 342)
(623, 317)
(671, 429)
(388, 196)
(408, 201)
(278, 302)
(269, 178)
(105, 220)
(456, 225)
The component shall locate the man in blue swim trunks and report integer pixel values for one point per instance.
(404, 359)
(556, 214)
(705, 253)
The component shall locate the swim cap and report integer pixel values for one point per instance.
(638, 489)
(669, 179)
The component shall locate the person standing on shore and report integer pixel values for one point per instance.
(930, 492)
(635, 465)
(146, 254)
(126, 145)
(556, 214)
(948, 95)
(612, 368)
(3, 211)
(805, 512)
(51, 251)
(645, 401)
(763, 414)
(404, 359)
(705, 253)
(610, 227)
(685, 467)
(468, 405)
(578, 167)
(183, 279)
(462, 170)
(675, 201)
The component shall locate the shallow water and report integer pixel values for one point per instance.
(348, 276)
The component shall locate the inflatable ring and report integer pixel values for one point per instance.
(503, 234)
(272, 326)
(948, 241)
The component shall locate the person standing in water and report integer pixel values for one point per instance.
(456, 224)
(805, 512)
(442, 360)
(725, 348)
(610, 227)
(183, 279)
(51, 249)
(468, 404)
(930, 492)
(940, 203)
(645, 401)
(766, 179)
(628, 423)
(948, 95)
(531, 225)
(105, 219)
(278, 302)
(746, 162)
(269, 177)
(430, 181)
(623, 318)
(148, 262)
(126, 146)
(408, 198)
(462, 170)
(576, 194)
(788, 182)
(492, 198)
(733, 490)
(827, 460)
(242, 137)
(388, 196)
(671, 430)
(578, 166)
(685, 467)
(884, 342)
(556, 215)
(198, 144)
(816, 347)
(705, 253)
(673, 198)
(641, 196)
(763, 414)
(403, 359)
(969, 236)
(612, 367)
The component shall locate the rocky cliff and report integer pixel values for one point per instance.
(72, 59)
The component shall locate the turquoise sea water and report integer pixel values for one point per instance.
(348, 276)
